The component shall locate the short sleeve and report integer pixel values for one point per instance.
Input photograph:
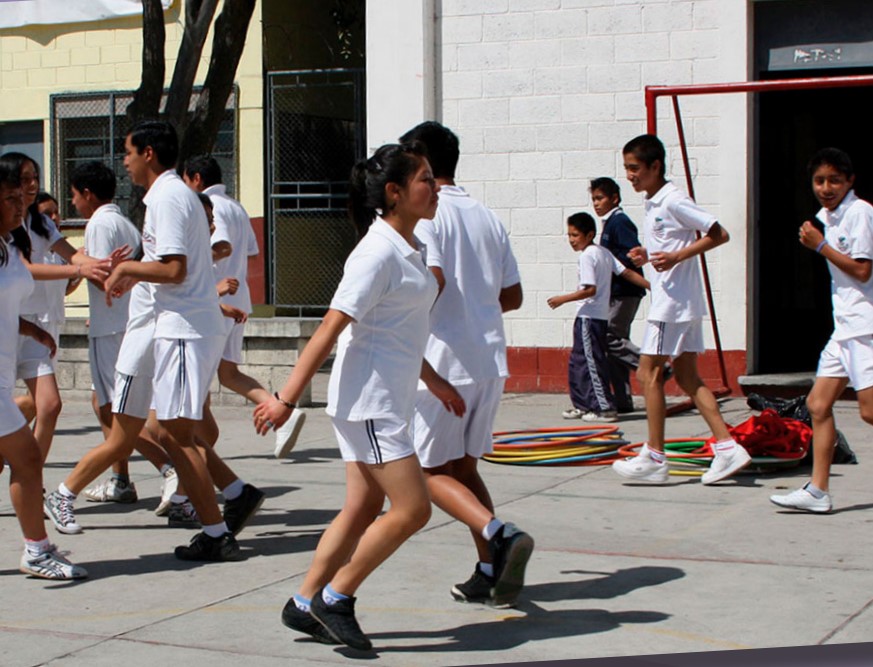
(170, 215)
(99, 241)
(587, 272)
(221, 222)
(861, 245)
(366, 280)
(688, 214)
(54, 233)
(427, 234)
(617, 267)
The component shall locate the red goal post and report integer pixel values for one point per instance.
(673, 92)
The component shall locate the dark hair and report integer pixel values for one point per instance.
(607, 186)
(391, 163)
(833, 157)
(583, 222)
(206, 201)
(160, 136)
(38, 225)
(10, 176)
(42, 197)
(647, 148)
(441, 145)
(95, 177)
(206, 166)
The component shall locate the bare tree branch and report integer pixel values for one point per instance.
(198, 18)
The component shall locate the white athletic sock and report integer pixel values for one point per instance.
(814, 491)
(233, 490)
(165, 468)
(725, 446)
(657, 457)
(36, 548)
(176, 499)
(302, 603)
(65, 492)
(490, 530)
(216, 529)
(330, 596)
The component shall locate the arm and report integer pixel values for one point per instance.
(511, 298)
(38, 334)
(440, 277)
(227, 286)
(236, 314)
(859, 269)
(220, 250)
(170, 269)
(635, 278)
(716, 236)
(442, 389)
(311, 359)
(586, 292)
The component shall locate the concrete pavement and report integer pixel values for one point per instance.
(617, 570)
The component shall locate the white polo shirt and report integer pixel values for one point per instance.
(232, 224)
(16, 284)
(596, 267)
(672, 218)
(37, 306)
(849, 229)
(389, 291)
(176, 224)
(468, 242)
(106, 231)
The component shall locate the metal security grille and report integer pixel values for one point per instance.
(92, 126)
(315, 135)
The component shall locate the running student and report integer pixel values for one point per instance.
(619, 236)
(378, 318)
(468, 251)
(847, 359)
(588, 369)
(233, 242)
(17, 445)
(675, 321)
(39, 240)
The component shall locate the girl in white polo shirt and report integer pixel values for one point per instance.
(17, 446)
(847, 245)
(379, 319)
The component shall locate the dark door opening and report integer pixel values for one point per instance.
(793, 314)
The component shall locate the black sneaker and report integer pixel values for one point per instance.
(239, 511)
(340, 622)
(476, 589)
(203, 547)
(183, 515)
(510, 551)
(297, 619)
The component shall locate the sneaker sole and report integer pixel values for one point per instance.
(647, 479)
(283, 449)
(460, 597)
(122, 501)
(727, 473)
(39, 575)
(801, 509)
(508, 586)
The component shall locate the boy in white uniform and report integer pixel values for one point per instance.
(170, 337)
(233, 242)
(468, 252)
(675, 321)
(847, 245)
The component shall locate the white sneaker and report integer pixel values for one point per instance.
(59, 509)
(113, 490)
(572, 413)
(801, 499)
(168, 488)
(601, 417)
(286, 434)
(725, 465)
(642, 468)
(51, 565)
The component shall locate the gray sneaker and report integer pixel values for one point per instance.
(183, 515)
(59, 510)
(113, 490)
(51, 565)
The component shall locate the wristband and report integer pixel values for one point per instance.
(287, 404)
(821, 245)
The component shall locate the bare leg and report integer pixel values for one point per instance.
(25, 481)
(48, 407)
(820, 403)
(466, 470)
(650, 374)
(27, 406)
(191, 468)
(685, 367)
(122, 439)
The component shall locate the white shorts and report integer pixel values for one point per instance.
(102, 356)
(34, 359)
(184, 369)
(137, 355)
(671, 339)
(852, 358)
(440, 436)
(233, 345)
(132, 395)
(373, 441)
(11, 419)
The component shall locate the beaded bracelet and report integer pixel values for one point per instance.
(287, 404)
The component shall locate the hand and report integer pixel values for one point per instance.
(117, 284)
(237, 315)
(119, 255)
(97, 270)
(451, 399)
(638, 256)
(555, 301)
(270, 414)
(227, 286)
(810, 236)
(40, 335)
(664, 261)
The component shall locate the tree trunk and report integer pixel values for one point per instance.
(146, 101)
(229, 39)
(198, 18)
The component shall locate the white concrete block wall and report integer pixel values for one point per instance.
(543, 94)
